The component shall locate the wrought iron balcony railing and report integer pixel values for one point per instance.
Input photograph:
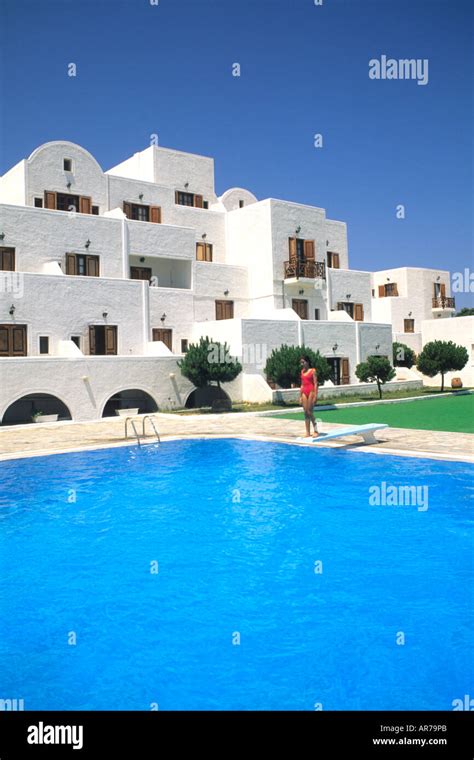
(310, 269)
(443, 302)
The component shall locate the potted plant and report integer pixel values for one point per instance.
(41, 417)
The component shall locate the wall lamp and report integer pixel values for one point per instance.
(142, 259)
(226, 292)
(388, 279)
(163, 317)
(438, 278)
(87, 243)
(141, 196)
(204, 235)
(348, 295)
(410, 313)
(327, 242)
(68, 185)
(377, 346)
(186, 184)
(2, 236)
(335, 347)
(300, 292)
(105, 314)
(12, 309)
(298, 230)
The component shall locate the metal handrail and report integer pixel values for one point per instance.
(132, 422)
(149, 417)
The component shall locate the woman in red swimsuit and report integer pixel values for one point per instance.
(309, 393)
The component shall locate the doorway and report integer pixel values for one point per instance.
(339, 370)
(102, 340)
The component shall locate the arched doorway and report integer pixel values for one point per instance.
(205, 396)
(35, 407)
(130, 399)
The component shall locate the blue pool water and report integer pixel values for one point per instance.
(236, 528)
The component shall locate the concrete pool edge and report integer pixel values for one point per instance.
(338, 444)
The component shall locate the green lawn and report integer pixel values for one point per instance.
(455, 414)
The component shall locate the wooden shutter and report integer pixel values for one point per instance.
(18, 341)
(198, 199)
(442, 290)
(92, 266)
(92, 345)
(4, 340)
(340, 306)
(292, 247)
(200, 251)
(359, 312)
(309, 249)
(110, 340)
(165, 335)
(345, 376)
(229, 309)
(300, 305)
(335, 261)
(176, 196)
(219, 309)
(49, 199)
(395, 289)
(7, 259)
(85, 205)
(127, 209)
(381, 291)
(155, 214)
(71, 263)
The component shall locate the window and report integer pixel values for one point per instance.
(333, 260)
(44, 344)
(373, 292)
(95, 210)
(409, 325)
(67, 202)
(67, 164)
(140, 273)
(204, 251)
(241, 204)
(316, 314)
(355, 310)
(300, 305)
(205, 204)
(82, 264)
(102, 340)
(389, 289)
(38, 202)
(165, 335)
(142, 213)
(77, 340)
(13, 340)
(184, 345)
(7, 259)
(189, 199)
(224, 309)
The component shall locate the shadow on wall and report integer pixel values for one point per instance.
(130, 399)
(205, 396)
(35, 407)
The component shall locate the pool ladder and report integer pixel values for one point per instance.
(131, 421)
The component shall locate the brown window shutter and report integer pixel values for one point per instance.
(4, 340)
(443, 290)
(335, 261)
(395, 289)
(49, 199)
(200, 249)
(219, 310)
(229, 310)
(71, 263)
(155, 214)
(345, 376)
(110, 340)
(92, 347)
(359, 312)
(309, 249)
(208, 251)
(198, 199)
(92, 266)
(19, 340)
(7, 259)
(127, 209)
(292, 247)
(176, 196)
(85, 205)
(381, 291)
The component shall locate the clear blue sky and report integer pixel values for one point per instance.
(143, 69)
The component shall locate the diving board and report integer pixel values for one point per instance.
(365, 431)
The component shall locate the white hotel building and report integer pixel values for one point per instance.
(106, 277)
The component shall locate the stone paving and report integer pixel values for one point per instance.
(48, 438)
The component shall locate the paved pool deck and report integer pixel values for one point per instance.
(52, 438)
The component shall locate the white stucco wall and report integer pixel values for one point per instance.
(13, 185)
(230, 200)
(347, 282)
(249, 244)
(461, 331)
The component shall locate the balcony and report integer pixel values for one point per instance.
(443, 302)
(310, 269)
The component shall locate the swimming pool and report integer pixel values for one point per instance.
(237, 529)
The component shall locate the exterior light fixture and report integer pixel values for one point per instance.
(388, 279)
(335, 347)
(348, 295)
(142, 259)
(226, 292)
(327, 242)
(141, 196)
(186, 184)
(300, 292)
(2, 235)
(438, 278)
(410, 313)
(68, 185)
(87, 243)
(377, 346)
(298, 230)
(204, 235)
(163, 317)
(12, 309)
(105, 314)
